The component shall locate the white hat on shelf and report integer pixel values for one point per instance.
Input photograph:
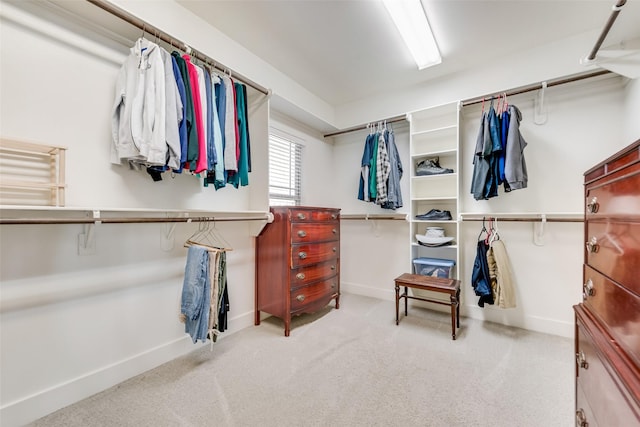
(434, 236)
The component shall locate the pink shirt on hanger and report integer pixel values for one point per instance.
(201, 163)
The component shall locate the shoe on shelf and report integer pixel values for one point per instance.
(431, 167)
(435, 215)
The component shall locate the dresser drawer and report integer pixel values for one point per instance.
(315, 231)
(612, 405)
(584, 414)
(313, 253)
(618, 308)
(313, 296)
(614, 250)
(615, 196)
(304, 275)
(298, 215)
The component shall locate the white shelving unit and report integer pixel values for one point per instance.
(434, 133)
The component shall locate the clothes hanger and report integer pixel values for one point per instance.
(494, 232)
(209, 237)
(484, 230)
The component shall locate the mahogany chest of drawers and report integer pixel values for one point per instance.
(298, 262)
(607, 336)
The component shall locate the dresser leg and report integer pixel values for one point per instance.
(256, 321)
(338, 302)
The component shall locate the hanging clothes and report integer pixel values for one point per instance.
(515, 166)
(394, 192)
(190, 152)
(380, 169)
(502, 281)
(196, 298)
(138, 113)
(480, 275)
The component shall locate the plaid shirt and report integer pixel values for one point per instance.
(382, 170)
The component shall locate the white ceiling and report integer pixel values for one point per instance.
(346, 50)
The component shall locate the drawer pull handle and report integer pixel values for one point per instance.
(333, 285)
(592, 245)
(334, 216)
(588, 290)
(334, 231)
(300, 297)
(302, 216)
(333, 267)
(300, 276)
(302, 233)
(334, 249)
(581, 360)
(581, 419)
(593, 205)
(302, 255)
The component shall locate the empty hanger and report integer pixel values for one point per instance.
(208, 236)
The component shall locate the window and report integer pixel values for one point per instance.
(284, 171)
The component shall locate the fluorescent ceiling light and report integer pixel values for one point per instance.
(411, 20)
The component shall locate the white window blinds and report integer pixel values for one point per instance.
(285, 157)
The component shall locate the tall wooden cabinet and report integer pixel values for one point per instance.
(298, 262)
(607, 338)
(434, 134)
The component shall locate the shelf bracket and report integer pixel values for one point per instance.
(538, 231)
(87, 239)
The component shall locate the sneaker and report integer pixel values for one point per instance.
(431, 167)
(435, 215)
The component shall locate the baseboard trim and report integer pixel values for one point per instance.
(46, 401)
(368, 291)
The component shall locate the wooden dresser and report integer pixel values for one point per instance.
(298, 262)
(607, 333)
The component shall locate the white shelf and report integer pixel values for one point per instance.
(446, 152)
(434, 133)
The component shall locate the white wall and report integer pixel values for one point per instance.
(632, 110)
(72, 325)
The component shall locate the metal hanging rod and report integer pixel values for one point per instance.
(372, 217)
(126, 220)
(506, 218)
(146, 27)
(533, 87)
(612, 18)
(364, 126)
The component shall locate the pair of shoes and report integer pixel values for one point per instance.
(431, 167)
(436, 214)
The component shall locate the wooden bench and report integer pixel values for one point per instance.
(433, 284)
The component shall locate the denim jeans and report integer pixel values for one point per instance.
(196, 296)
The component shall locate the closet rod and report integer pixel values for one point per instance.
(361, 127)
(612, 18)
(145, 27)
(125, 220)
(531, 88)
(523, 219)
(374, 216)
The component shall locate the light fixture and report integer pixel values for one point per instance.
(411, 20)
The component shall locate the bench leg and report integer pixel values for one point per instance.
(406, 300)
(397, 303)
(454, 308)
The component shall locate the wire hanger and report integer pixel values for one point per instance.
(484, 230)
(209, 237)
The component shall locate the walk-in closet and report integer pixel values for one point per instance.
(209, 208)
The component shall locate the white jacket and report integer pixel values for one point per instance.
(138, 120)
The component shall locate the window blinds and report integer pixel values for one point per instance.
(285, 158)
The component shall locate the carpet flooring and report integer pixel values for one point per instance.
(350, 367)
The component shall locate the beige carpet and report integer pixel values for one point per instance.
(350, 367)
